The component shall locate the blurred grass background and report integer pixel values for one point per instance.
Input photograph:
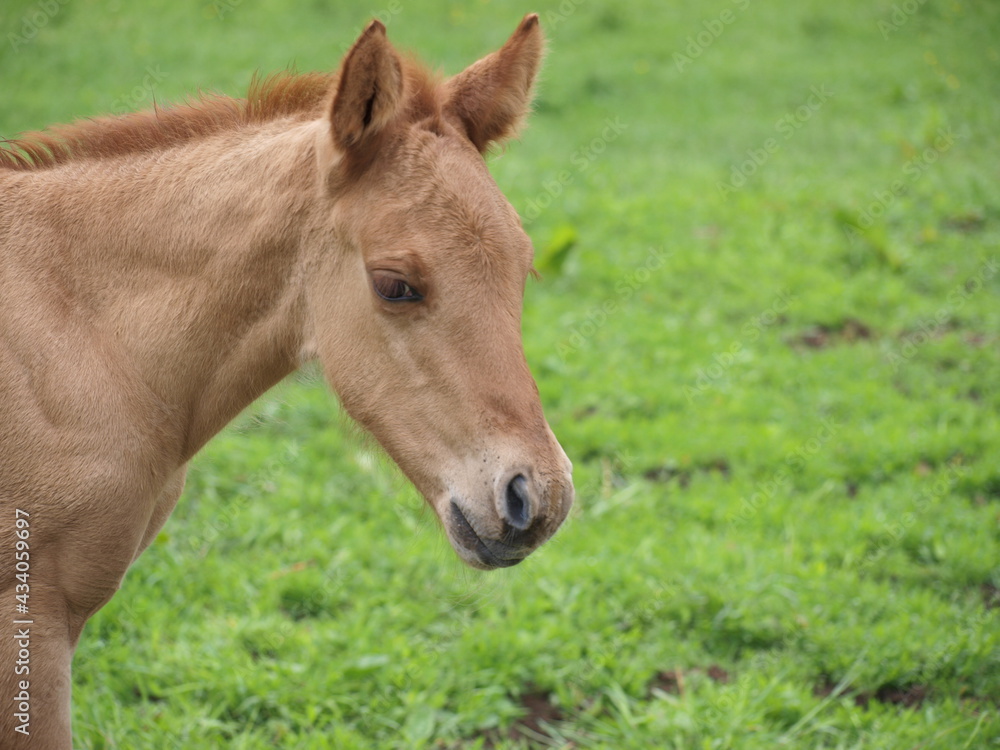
(767, 335)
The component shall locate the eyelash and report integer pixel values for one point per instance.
(393, 289)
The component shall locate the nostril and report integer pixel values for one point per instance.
(518, 503)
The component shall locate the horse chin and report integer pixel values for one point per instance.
(475, 550)
(473, 560)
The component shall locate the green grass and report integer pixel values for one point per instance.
(783, 415)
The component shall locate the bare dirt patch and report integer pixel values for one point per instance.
(684, 474)
(991, 596)
(964, 223)
(907, 696)
(540, 711)
(821, 336)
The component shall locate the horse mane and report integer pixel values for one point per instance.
(281, 95)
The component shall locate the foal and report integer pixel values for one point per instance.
(161, 270)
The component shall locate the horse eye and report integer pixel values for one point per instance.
(394, 289)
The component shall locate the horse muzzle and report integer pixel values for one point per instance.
(502, 530)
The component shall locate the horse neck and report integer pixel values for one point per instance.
(186, 267)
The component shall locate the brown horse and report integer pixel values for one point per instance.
(160, 270)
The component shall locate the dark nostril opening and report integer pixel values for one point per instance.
(518, 503)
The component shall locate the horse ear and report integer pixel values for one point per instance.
(369, 90)
(492, 96)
